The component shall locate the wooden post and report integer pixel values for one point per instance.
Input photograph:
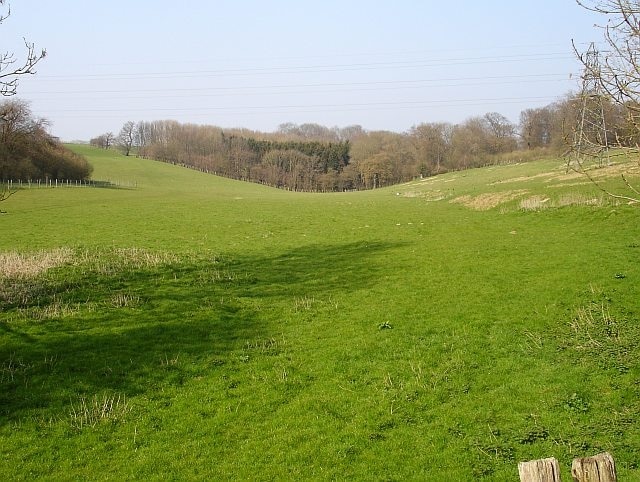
(543, 470)
(599, 468)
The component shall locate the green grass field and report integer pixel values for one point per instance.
(195, 327)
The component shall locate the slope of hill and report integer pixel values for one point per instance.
(197, 327)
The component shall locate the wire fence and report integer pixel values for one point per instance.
(13, 185)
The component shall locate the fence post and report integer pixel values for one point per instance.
(599, 468)
(543, 470)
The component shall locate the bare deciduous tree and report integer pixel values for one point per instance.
(618, 71)
(103, 141)
(10, 68)
(109, 138)
(430, 145)
(127, 137)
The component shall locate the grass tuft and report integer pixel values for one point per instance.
(124, 300)
(534, 203)
(89, 412)
(12, 368)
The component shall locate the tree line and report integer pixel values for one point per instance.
(28, 152)
(311, 157)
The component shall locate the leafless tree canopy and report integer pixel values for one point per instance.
(617, 71)
(126, 137)
(619, 66)
(11, 67)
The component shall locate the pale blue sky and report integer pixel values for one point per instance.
(257, 64)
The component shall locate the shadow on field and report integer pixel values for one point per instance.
(124, 186)
(323, 269)
(149, 331)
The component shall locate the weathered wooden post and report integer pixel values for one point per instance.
(543, 470)
(599, 468)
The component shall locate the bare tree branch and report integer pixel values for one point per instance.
(616, 78)
(4, 195)
(10, 68)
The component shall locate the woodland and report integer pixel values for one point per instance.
(312, 157)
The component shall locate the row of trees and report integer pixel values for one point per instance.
(314, 157)
(28, 152)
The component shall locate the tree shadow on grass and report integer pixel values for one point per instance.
(323, 269)
(141, 332)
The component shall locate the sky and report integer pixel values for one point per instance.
(384, 65)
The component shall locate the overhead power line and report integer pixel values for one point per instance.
(315, 107)
(342, 54)
(383, 84)
(308, 69)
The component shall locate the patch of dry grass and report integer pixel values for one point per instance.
(489, 200)
(115, 259)
(578, 199)
(23, 280)
(576, 178)
(534, 203)
(436, 195)
(29, 265)
(53, 311)
(542, 175)
(564, 177)
(537, 202)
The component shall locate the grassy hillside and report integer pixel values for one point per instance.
(197, 327)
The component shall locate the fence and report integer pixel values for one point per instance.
(12, 185)
(599, 468)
